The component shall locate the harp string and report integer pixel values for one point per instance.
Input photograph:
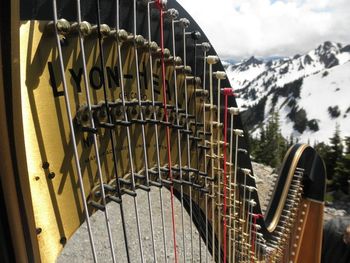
(218, 168)
(243, 216)
(188, 141)
(88, 101)
(143, 130)
(227, 92)
(205, 157)
(161, 12)
(72, 131)
(211, 106)
(131, 161)
(178, 139)
(232, 191)
(156, 128)
(194, 36)
(230, 195)
(237, 200)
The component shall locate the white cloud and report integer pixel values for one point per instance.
(241, 28)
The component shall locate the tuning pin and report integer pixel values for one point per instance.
(83, 116)
(118, 109)
(172, 13)
(184, 22)
(84, 28)
(251, 189)
(178, 61)
(140, 40)
(185, 69)
(162, 3)
(202, 93)
(153, 46)
(63, 27)
(220, 74)
(212, 60)
(205, 46)
(173, 61)
(238, 132)
(196, 80)
(104, 29)
(233, 110)
(246, 171)
(166, 53)
(100, 114)
(195, 35)
(121, 35)
(228, 92)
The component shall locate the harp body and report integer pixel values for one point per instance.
(41, 205)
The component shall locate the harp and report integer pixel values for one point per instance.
(103, 101)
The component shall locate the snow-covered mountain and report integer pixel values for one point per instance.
(311, 92)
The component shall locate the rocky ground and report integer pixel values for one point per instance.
(265, 176)
(78, 248)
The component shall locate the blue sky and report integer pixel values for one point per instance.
(241, 28)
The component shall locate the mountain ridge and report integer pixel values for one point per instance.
(286, 84)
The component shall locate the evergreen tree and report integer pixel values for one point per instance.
(259, 147)
(272, 146)
(347, 145)
(323, 150)
(333, 156)
(342, 170)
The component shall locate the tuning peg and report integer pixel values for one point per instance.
(205, 46)
(172, 13)
(166, 53)
(184, 22)
(121, 35)
(228, 92)
(212, 60)
(233, 110)
(161, 3)
(246, 171)
(238, 132)
(140, 40)
(178, 61)
(202, 93)
(184, 69)
(104, 29)
(220, 74)
(63, 27)
(195, 35)
(153, 46)
(84, 28)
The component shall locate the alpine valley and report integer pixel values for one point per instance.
(311, 92)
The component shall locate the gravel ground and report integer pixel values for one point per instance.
(78, 250)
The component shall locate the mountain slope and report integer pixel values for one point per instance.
(311, 91)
